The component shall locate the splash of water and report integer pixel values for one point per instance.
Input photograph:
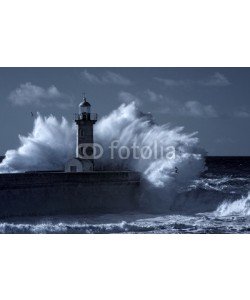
(130, 127)
(52, 143)
(47, 147)
(239, 207)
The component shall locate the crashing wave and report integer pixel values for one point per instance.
(52, 143)
(239, 207)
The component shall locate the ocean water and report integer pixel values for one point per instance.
(217, 202)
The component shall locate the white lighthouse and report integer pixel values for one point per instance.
(85, 120)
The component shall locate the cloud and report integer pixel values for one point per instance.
(162, 104)
(154, 97)
(126, 97)
(29, 94)
(188, 109)
(242, 114)
(168, 106)
(107, 77)
(217, 79)
(165, 105)
(197, 109)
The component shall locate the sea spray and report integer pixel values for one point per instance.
(240, 207)
(52, 143)
(131, 127)
(47, 147)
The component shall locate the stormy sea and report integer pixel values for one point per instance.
(223, 190)
(192, 193)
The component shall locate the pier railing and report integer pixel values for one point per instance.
(85, 116)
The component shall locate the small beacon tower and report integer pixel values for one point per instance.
(85, 120)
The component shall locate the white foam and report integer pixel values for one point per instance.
(239, 207)
(47, 147)
(129, 126)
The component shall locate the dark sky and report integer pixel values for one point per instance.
(213, 101)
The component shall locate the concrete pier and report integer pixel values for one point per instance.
(58, 193)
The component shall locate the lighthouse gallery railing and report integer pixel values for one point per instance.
(85, 116)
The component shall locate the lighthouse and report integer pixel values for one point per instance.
(85, 120)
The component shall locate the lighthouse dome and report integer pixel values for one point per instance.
(84, 107)
(84, 104)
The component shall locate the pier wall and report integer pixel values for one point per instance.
(29, 194)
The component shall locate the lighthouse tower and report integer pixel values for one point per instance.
(85, 120)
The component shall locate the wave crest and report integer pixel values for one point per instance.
(239, 207)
